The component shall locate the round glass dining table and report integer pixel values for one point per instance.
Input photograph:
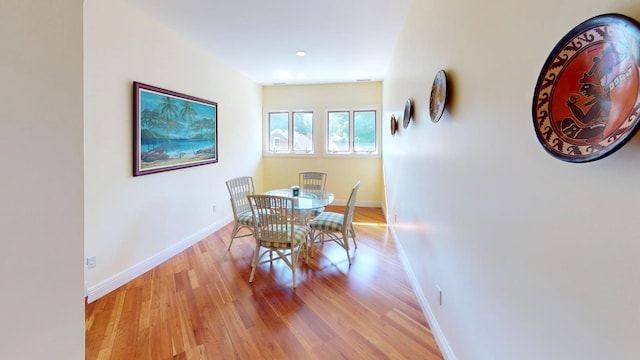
(307, 200)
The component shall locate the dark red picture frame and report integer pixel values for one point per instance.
(172, 130)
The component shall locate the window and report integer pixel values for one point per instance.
(278, 130)
(340, 132)
(352, 132)
(364, 131)
(303, 132)
(290, 132)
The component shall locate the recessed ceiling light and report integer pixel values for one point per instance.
(301, 53)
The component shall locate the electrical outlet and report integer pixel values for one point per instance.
(439, 294)
(213, 208)
(91, 262)
(395, 217)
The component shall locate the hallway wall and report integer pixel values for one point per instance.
(536, 258)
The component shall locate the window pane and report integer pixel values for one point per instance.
(279, 131)
(303, 131)
(338, 135)
(364, 131)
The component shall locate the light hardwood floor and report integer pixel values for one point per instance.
(200, 305)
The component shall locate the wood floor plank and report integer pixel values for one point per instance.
(200, 305)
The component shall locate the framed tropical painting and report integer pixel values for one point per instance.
(172, 130)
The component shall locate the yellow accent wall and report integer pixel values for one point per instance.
(343, 172)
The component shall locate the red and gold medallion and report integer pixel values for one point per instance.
(587, 100)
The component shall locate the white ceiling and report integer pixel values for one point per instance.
(345, 40)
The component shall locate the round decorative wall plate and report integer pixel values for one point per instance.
(586, 103)
(408, 113)
(438, 96)
(394, 125)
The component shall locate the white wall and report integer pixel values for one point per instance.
(537, 258)
(133, 223)
(343, 172)
(41, 215)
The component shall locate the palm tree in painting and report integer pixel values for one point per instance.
(187, 113)
(149, 121)
(168, 109)
(168, 114)
(205, 129)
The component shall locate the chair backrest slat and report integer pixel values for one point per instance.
(312, 180)
(239, 189)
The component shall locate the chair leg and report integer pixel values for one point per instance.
(353, 235)
(345, 243)
(306, 252)
(310, 243)
(234, 232)
(294, 264)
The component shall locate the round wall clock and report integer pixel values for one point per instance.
(586, 103)
(394, 125)
(438, 96)
(408, 113)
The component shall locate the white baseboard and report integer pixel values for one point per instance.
(101, 289)
(445, 349)
(97, 291)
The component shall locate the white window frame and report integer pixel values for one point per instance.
(351, 153)
(267, 149)
(320, 132)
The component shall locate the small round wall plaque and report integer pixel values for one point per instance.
(394, 125)
(408, 113)
(586, 104)
(438, 96)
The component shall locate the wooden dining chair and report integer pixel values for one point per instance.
(277, 232)
(336, 227)
(239, 188)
